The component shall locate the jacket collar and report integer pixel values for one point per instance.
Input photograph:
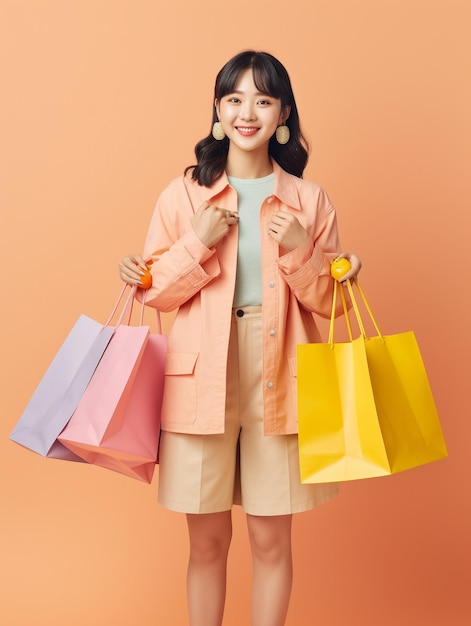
(285, 187)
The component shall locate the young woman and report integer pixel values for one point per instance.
(241, 246)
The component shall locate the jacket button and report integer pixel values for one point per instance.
(239, 313)
(270, 385)
(271, 283)
(272, 332)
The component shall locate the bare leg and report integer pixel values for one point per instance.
(210, 538)
(270, 542)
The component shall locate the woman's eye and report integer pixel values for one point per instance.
(234, 100)
(263, 102)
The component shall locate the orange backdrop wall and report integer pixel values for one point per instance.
(102, 102)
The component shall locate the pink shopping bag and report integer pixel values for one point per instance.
(117, 422)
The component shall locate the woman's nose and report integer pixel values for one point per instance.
(247, 112)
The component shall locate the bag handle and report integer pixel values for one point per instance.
(332, 315)
(355, 309)
(157, 313)
(128, 306)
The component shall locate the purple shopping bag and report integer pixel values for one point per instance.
(60, 389)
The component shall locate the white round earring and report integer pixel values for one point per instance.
(218, 131)
(282, 134)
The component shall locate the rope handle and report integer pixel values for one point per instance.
(355, 309)
(332, 316)
(128, 308)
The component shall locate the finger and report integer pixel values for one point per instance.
(277, 219)
(283, 216)
(283, 220)
(131, 268)
(130, 279)
(141, 264)
(134, 262)
(349, 276)
(226, 213)
(231, 218)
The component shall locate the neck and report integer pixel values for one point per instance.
(248, 164)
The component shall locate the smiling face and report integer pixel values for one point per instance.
(249, 119)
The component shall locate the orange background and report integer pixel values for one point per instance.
(102, 102)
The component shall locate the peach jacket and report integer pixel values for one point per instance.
(200, 282)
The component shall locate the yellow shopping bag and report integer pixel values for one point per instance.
(365, 406)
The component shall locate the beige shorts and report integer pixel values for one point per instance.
(210, 473)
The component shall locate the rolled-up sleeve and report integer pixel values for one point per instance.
(306, 269)
(181, 264)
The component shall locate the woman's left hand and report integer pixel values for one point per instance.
(354, 262)
(286, 229)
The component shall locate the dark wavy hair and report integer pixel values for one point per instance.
(271, 78)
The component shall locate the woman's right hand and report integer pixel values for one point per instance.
(131, 268)
(211, 223)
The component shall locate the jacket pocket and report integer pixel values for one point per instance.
(179, 402)
(180, 363)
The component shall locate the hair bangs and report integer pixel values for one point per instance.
(266, 78)
(266, 75)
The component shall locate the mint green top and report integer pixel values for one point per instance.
(251, 193)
